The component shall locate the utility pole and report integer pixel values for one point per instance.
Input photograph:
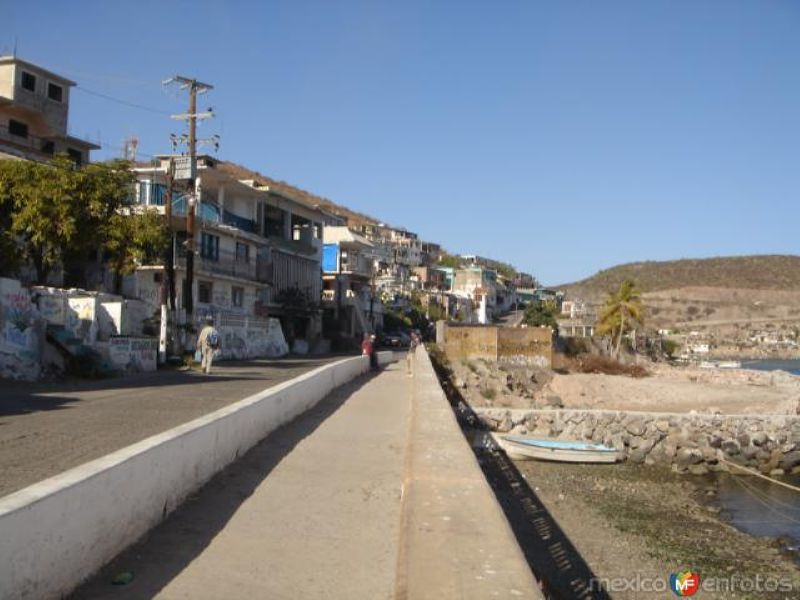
(188, 172)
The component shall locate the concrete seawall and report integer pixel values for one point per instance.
(455, 540)
(59, 531)
(693, 443)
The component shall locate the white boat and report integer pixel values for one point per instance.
(729, 364)
(522, 448)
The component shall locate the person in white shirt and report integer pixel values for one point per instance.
(208, 342)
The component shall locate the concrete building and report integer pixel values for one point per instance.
(351, 302)
(34, 111)
(478, 284)
(258, 252)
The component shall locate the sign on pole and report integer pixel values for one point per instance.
(185, 168)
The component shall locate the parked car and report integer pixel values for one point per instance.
(397, 339)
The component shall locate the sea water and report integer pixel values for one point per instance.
(759, 507)
(790, 366)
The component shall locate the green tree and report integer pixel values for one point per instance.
(623, 310)
(449, 260)
(134, 239)
(58, 213)
(541, 314)
(45, 209)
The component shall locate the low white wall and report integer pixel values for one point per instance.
(56, 533)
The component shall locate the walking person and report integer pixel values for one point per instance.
(412, 350)
(208, 342)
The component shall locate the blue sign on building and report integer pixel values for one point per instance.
(330, 258)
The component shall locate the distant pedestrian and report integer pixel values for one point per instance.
(368, 348)
(373, 357)
(208, 342)
(412, 350)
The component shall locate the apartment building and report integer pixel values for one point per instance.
(257, 252)
(34, 111)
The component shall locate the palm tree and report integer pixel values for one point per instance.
(622, 309)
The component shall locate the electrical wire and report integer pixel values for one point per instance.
(123, 102)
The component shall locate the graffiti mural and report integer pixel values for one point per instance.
(134, 355)
(19, 340)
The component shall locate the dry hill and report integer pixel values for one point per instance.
(764, 272)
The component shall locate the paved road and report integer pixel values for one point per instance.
(313, 511)
(48, 428)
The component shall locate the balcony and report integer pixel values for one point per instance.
(228, 264)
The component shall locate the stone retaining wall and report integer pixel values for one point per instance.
(689, 443)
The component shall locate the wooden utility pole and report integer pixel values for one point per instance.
(168, 283)
(189, 175)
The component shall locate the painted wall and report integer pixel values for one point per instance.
(21, 333)
(58, 532)
(133, 355)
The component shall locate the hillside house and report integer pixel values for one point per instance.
(258, 252)
(34, 111)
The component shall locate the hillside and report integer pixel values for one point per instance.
(763, 272)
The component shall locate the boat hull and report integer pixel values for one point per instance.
(531, 451)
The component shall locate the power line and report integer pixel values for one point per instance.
(123, 102)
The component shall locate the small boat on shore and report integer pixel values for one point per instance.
(521, 448)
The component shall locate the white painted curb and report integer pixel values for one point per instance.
(56, 533)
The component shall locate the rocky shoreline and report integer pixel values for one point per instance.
(687, 443)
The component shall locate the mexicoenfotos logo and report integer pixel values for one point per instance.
(685, 583)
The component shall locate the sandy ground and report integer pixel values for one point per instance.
(47, 428)
(675, 389)
(666, 389)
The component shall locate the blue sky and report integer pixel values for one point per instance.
(563, 137)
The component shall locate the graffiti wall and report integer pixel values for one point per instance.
(81, 318)
(21, 333)
(259, 338)
(133, 355)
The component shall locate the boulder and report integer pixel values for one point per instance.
(731, 447)
(636, 427)
(759, 439)
(790, 460)
(688, 456)
(638, 456)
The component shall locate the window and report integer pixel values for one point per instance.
(55, 92)
(75, 155)
(237, 296)
(209, 246)
(242, 252)
(17, 128)
(48, 148)
(28, 81)
(204, 292)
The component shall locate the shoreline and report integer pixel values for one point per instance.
(633, 519)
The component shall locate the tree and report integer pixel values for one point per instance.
(58, 213)
(623, 309)
(449, 260)
(45, 209)
(134, 239)
(541, 314)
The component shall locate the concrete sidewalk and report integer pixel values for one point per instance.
(324, 523)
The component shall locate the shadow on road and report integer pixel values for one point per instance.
(559, 567)
(19, 398)
(167, 549)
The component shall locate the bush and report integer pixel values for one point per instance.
(591, 363)
(489, 393)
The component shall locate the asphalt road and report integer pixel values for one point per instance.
(47, 428)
